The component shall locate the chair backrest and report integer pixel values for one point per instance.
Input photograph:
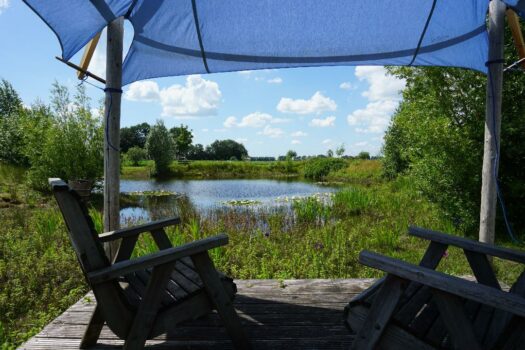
(81, 230)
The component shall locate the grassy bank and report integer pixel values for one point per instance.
(314, 238)
(355, 171)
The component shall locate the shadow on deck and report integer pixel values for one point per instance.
(289, 314)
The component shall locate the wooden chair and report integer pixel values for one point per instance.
(416, 307)
(144, 297)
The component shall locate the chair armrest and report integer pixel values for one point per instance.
(450, 284)
(468, 244)
(136, 230)
(158, 258)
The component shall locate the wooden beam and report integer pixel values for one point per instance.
(517, 34)
(88, 54)
(487, 216)
(115, 35)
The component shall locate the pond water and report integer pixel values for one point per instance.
(154, 195)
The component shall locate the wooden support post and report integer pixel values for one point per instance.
(115, 33)
(88, 54)
(517, 35)
(487, 220)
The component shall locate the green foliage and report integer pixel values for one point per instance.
(340, 151)
(11, 131)
(65, 141)
(39, 274)
(183, 138)
(319, 168)
(291, 154)
(136, 154)
(160, 147)
(134, 136)
(226, 149)
(363, 155)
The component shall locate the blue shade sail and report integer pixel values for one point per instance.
(179, 37)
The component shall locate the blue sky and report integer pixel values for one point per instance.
(309, 110)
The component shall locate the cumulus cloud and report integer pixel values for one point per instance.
(197, 97)
(276, 80)
(383, 94)
(323, 123)
(296, 142)
(271, 132)
(145, 91)
(316, 104)
(327, 142)
(253, 120)
(299, 134)
(4, 5)
(374, 118)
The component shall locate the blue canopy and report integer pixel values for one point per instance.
(178, 37)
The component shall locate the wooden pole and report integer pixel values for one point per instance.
(517, 35)
(487, 222)
(115, 34)
(86, 57)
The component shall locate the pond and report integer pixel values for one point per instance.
(154, 199)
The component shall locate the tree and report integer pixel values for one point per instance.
(11, 131)
(291, 154)
(65, 140)
(183, 138)
(134, 136)
(363, 155)
(330, 153)
(436, 135)
(340, 151)
(136, 154)
(160, 147)
(197, 152)
(226, 149)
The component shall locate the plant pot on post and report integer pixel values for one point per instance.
(82, 188)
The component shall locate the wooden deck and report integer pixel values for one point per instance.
(289, 314)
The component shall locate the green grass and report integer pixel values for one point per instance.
(318, 237)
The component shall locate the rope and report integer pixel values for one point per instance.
(423, 32)
(197, 28)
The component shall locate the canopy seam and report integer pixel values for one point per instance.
(197, 28)
(104, 10)
(130, 9)
(422, 36)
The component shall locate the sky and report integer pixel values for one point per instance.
(309, 110)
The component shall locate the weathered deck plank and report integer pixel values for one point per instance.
(289, 314)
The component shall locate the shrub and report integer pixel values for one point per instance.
(318, 168)
(160, 147)
(136, 154)
(65, 141)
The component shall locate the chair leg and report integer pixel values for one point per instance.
(93, 330)
(148, 307)
(219, 298)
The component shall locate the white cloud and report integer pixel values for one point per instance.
(382, 85)
(276, 80)
(361, 144)
(271, 132)
(245, 72)
(346, 85)
(253, 120)
(374, 118)
(198, 97)
(296, 142)
(327, 142)
(205, 130)
(241, 140)
(4, 5)
(146, 91)
(323, 123)
(383, 94)
(299, 134)
(316, 104)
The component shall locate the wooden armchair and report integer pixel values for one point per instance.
(142, 298)
(416, 307)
